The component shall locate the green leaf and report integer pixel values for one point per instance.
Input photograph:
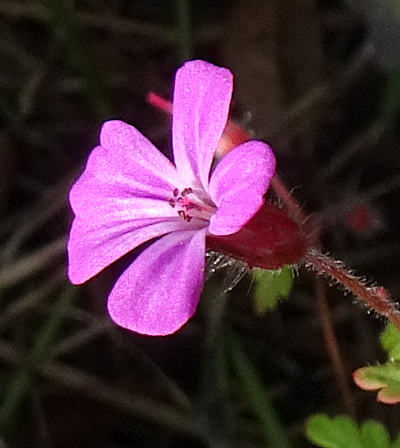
(320, 431)
(383, 377)
(390, 341)
(396, 443)
(338, 432)
(343, 432)
(374, 434)
(270, 287)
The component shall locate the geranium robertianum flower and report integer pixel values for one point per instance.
(130, 193)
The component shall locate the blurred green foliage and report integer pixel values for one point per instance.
(19, 386)
(344, 432)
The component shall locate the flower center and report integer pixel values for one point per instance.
(188, 205)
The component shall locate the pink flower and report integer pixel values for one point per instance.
(130, 193)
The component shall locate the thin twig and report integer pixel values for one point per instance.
(98, 326)
(31, 263)
(332, 346)
(374, 254)
(331, 212)
(140, 406)
(174, 391)
(32, 298)
(89, 385)
(367, 138)
(381, 189)
(68, 344)
(324, 92)
(109, 22)
(24, 10)
(34, 215)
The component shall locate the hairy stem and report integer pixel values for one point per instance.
(293, 208)
(376, 298)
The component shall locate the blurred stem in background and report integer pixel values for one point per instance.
(72, 37)
(20, 383)
(224, 360)
(184, 30)
(390, 108)
(9, 114)
(274, 434)
(216, 405)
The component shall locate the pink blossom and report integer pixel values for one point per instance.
(130, 193)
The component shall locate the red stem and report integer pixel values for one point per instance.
(376, 298)
(333, 347)
(159, 102)
(293, 208)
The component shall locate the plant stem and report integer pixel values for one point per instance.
(293, 208)
(332, 346)
(376, 298)
(21, 382)
(184, 30)
(274, 434)
(72, 37)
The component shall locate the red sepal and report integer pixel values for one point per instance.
(270, 240)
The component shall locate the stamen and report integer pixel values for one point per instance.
(190, 206)
(185, 204)
(187, 191)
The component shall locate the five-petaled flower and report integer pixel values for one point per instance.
(130, 193)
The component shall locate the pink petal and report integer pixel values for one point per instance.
(200, 111)
(125, 168)
(133, 161)
(120, 201)
(93, 199)
(238, 184)
(135, 157)
(95, 244)
(159, 292)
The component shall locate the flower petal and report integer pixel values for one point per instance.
(131, 159)
(137, 158)
(95, 244)
(120, 173)
(200, 111)
(159, 292)
(120, 201)
(109, 200)
(238, 184)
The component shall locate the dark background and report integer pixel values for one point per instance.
(317, 79)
